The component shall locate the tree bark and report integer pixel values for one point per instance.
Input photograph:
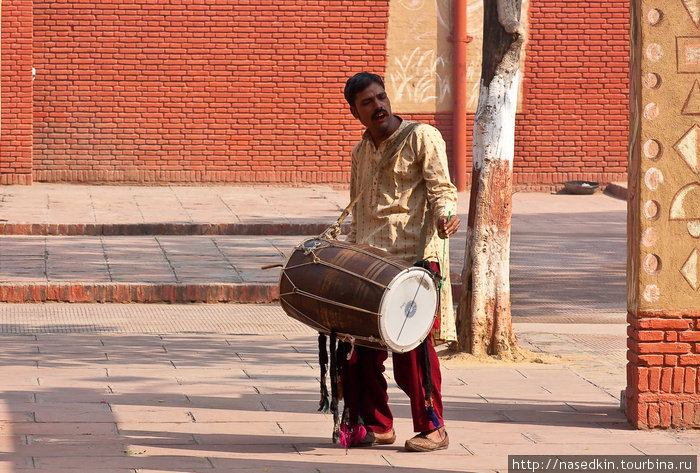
(484, 325)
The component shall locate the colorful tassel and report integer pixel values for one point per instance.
(432, 416)
(324, 403)
(358, 433)
(345, 436)
(351, 437)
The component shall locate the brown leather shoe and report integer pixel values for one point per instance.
(421, 442)
(372, 438)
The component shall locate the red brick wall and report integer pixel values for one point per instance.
(663, 387)
(251, 90)
(16, 93)
(575, 118)
(195, 90)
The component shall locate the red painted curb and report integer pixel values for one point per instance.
(139, 229)
(142, 293)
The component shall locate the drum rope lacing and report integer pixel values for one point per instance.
(311, 321)
(354, 248)
(346, 337)
(328, 234)
(328, 301)
(317, 260)
(296, 290)
(312, 250)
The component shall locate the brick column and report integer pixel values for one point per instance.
(664, 216)
(16, 120)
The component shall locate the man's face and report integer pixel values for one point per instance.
(373, 109)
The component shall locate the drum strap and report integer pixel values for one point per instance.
(333, 232)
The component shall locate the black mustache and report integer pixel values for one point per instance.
(381, 110)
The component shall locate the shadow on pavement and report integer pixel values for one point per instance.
(185, 402)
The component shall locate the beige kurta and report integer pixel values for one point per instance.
(391, 213)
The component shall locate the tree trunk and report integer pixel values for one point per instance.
(484, 325)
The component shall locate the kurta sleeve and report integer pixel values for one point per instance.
(442, 194)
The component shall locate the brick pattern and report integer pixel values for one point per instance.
(537, 176)
(86, 292)
(577, 65)
(137, 176)
(139, 293)
(245, 90)
(575, 113)
(16, 94)
(251, 90)
(114, 229)
(663, 387)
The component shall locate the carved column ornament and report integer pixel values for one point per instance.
(663, 303)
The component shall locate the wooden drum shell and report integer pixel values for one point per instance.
(353, 279)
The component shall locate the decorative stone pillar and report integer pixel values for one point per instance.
(663, 387)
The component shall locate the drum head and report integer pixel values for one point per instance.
(407, 309)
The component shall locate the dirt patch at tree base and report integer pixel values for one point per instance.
(450, 357)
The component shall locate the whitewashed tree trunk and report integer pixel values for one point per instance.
(484, 323)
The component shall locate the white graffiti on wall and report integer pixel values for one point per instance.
(419, 67)
(421, 72)
(420, 76)
(412, 4)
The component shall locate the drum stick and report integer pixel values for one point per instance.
(270, 266)
(444, 254)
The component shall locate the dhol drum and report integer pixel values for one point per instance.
(363, 294)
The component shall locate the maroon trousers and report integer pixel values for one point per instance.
(365, 387)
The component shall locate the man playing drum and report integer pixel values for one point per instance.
(408, 210)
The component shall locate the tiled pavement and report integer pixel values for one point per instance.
(114, 210)
(559, 242)
(195, 388)
(225, 387)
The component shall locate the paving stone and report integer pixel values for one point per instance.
(219, 415)
(232, 429)
(151, 365)
(12, 463)
(542, 233)
(360, 463)
(649, 448)
(79, 413)
(60, 448)
(230, 417)
(128, 462)
(63, 428)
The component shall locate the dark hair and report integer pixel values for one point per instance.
(358, 83)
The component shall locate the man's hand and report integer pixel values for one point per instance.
(447, 226)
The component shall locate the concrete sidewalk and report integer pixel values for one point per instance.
(195, 388)
(568, 256)
(156, 388)
(59, 209)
